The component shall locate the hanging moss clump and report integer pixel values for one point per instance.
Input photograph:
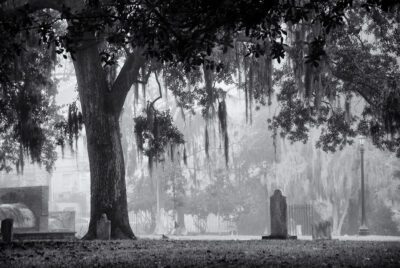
(155, 131)
(246, 90)
(145, 72)
(222, 116)
(206, 142)
(347, 108)
(391, 114)
(20, 162)
(184, 156)
(254, 61)
(28, 128)
(74, 122)
(308, 57)
(68, 130)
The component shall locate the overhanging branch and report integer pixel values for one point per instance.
(159, 89)
(126, 78)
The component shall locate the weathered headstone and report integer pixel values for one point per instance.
(7, 230)
(62, 221)
(278, 212)
(322, 230)
(103, 228)
(278, 208)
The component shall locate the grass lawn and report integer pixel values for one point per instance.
(189, 253)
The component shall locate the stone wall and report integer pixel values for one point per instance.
(36, 198)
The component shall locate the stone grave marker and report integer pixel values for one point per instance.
(322, 230)
(7, 230)
(279, 222)
(278, 208)
(62, 221)
(103, 228)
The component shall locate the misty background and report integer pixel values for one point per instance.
(202, 195)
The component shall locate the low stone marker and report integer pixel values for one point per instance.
(278, 212)
(62, 221)
(7, 230)
(322, 230)
(103, 228)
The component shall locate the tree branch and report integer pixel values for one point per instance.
(126, 77)
(159, 89)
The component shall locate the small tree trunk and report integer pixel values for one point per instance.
(160, 227)
(180, 229)
(107, 170)
(335, 219)
(344, 214)
(153, 220)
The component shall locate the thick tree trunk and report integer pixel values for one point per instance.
(107, 171)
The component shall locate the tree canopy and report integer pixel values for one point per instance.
(321, 39)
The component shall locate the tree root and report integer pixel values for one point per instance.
(117, 234)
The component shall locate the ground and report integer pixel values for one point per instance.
(200, 253)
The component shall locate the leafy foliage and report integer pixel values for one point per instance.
(27, 107)
(154, 132)
(321, 93)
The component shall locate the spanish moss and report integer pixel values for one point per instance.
(223, 120)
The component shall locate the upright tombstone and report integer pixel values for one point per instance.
(7, 230)
(103, 228)
(278, 208)
(278, 212)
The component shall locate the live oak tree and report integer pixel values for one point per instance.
(99, 34)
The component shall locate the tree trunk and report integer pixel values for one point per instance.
(344, 214)
(180, 228)
(335, 218)
(107, 170)
(153, 223)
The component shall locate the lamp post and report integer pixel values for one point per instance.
(363, 228)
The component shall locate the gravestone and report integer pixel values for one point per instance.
(7, 230)
(278, 212)
(103, 228)
(278, 208)
(322, 230)
(62, 221)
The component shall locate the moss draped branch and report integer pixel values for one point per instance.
(125, 79)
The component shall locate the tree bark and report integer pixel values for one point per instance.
(181, 230)
(107, 169)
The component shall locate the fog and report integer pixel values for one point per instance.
(203, 195)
